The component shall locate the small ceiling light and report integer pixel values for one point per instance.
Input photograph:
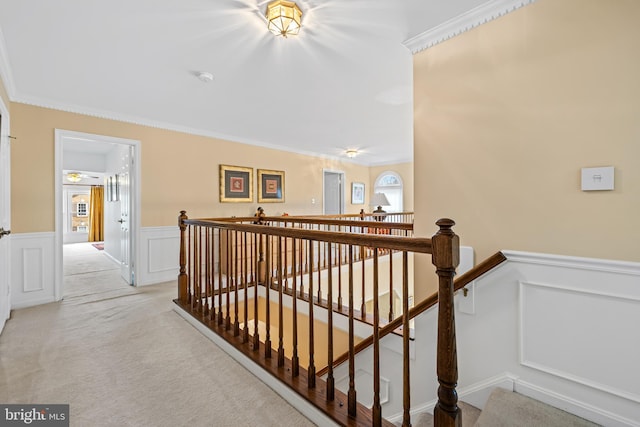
(284, 18)
(74, 177)
(351, 153)
(205, 77)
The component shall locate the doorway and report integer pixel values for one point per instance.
(333, 192)
(116, 159)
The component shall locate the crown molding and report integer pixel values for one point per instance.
(156, 124)
(5, 69)
(465, 22)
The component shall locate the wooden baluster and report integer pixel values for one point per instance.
(190, 266)
(340, 277)
(280, 307)
(237, 277)
(406, 378)
(197, 293)
(391, 301)
(302, 270)
(256, 336)
(183, 278)
(212, 313)
(320, 252)
(295, 361)
(245, 276)
(376, 408)
(351, 408)
(267, 319)
(207, 271)
(286, 265)
(363, 307)
(330, 379)
(311, 370)
(446, 257)
(221, 233)
(227, 323)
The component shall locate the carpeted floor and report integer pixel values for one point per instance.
(120, 356)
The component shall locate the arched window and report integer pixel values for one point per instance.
(390, 183)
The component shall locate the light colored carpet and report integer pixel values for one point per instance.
(121, 357)
(506, 408)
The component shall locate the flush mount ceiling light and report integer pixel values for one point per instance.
(351, 153)
(74, 177)
(284, 18)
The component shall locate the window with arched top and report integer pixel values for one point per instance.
(390, 183)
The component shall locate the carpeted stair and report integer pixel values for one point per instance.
(508, 409)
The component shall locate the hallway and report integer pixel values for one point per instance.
(120, 356)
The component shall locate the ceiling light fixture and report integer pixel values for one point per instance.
(351, 153)
(74, 177)
(284, 18)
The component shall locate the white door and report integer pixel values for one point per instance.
(5, 216)
(124, 189)
(333, 193)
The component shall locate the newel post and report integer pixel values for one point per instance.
(446, 257)
(183, 279)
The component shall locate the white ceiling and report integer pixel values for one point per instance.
(344, 82)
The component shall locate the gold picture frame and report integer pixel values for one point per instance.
(270, 186)
(236, 184)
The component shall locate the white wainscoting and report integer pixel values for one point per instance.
(159, 255)
(32, 269)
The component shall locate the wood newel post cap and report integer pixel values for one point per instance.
(445, 245)
(182, 218)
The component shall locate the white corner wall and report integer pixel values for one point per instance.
(560, 329)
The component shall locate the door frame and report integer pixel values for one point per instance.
(5, 192)
(60, 135)
(342, 194)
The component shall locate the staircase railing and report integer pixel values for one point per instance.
(230, 272)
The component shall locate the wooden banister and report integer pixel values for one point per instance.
(257, 255)
(485, 266)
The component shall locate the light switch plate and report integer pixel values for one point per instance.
(597, 179)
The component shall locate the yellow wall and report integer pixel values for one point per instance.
(179, 171)
(507, 114)
(405, 170)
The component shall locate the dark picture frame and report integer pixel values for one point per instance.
(357, 193)
(236, 184)
(270, 186)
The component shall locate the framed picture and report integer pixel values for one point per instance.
(357, 193)
(270, 186)
(236, 184)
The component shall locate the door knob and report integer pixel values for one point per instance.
(4, 232)
(121, 220)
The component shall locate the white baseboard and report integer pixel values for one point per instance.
(32, 269)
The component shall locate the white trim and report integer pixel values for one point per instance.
(579, 263)
(152, 270)
(5, 69)
(60, 135)
(461, 23)
(525, 361)
(5, 213)
(32, 251)
(573, 406)
(293, 398)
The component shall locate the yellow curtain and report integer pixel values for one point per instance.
(96, 214)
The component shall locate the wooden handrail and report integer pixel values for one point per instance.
(258, 265)
(399, 243)
(485, 266)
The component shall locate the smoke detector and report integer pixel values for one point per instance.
(204, 76)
